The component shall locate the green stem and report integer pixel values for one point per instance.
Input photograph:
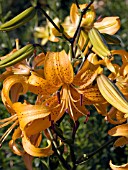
(86, 157)
(56, 150)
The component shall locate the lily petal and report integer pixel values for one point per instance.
(121, 141)
(39, 85)
(120, 167)
(8, 84)
(108, 25)
(34, 151)
(58, 69)
(121, 130)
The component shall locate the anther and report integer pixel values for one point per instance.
(58, 96)
(81, 99)
(87, 118)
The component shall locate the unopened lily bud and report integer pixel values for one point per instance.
(17, 56)
(19, 20)
(112, 94)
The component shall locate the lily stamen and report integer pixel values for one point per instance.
(87, 118)
(9, 118)
(2, 139)
(7, 121)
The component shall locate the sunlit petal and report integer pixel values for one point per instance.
(121, 130)
(118, 167)
(108, 25)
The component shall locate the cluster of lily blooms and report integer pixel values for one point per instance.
(64, 83)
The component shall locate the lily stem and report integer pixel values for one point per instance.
(72, 40)
(77, 4)
(81, 16)
(86, 157)
(72, 153)
(56, 150)
(52, 22)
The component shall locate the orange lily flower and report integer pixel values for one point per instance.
(23, 118)
(108, 25)
(71, 24)
(58, 74)
(75, 91)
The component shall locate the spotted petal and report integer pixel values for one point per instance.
(38, 85)
(58, 69)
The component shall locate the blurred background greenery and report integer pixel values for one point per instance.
(89, 136)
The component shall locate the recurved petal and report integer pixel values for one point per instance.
(89, 67)
(43, 123)
(4, 75)
(108, 25)
(11, 81)
(15, 149)
(121, 141)
(36, 118)
(121, 130)
(115, 117)
(58, 69)
(27, 113)
(118, 167)
(122, 53)
(102, 108)
(93, 95)
(124, 57)
(13, 145)
(31, 149)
